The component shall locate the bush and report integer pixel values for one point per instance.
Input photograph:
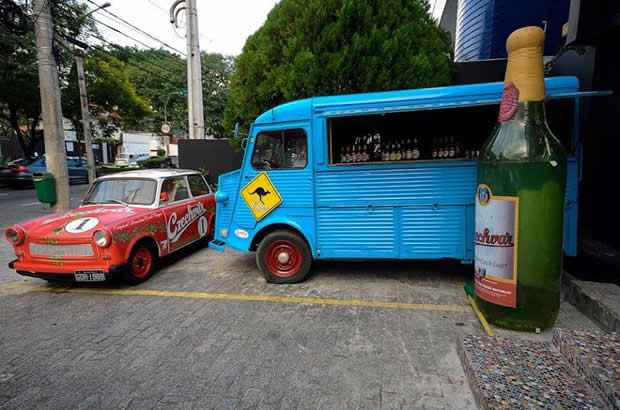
(155, 162)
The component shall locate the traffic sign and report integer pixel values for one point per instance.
(165, 128)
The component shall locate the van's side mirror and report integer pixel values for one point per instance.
(236, 131)
(244, 143)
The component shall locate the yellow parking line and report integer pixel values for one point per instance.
(252, 298)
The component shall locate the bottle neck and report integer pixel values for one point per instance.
(531, 113)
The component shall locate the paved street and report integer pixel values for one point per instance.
(208, 332)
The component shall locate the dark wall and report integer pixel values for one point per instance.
(215, 155)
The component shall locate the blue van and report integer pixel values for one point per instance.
(387, 175)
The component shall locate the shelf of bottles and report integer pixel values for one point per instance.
(375, 148)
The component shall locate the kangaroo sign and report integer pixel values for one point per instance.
(261, 196)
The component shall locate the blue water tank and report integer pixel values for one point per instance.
(482, 26)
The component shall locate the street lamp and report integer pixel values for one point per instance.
(103, 6)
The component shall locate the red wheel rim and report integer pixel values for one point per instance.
(141, 262)
(283, 258)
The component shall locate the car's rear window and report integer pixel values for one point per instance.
(125, 190)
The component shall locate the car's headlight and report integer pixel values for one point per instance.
(15, 236)
(102, 238)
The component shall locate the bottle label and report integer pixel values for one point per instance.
(510, 102)
(495, 265)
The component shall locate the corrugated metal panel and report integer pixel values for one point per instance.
(397, 186)
(228, 183)
(433, 233)
(356, 232)
(294, 186)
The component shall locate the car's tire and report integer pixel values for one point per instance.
(141, 264)
(284, 256)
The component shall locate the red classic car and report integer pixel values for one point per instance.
(125, 222)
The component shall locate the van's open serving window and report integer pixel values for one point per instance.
(446, 134)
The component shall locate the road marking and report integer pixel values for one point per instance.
(4, 194)
(242, 297)
(30, 204)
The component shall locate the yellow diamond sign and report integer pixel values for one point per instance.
(261, 196)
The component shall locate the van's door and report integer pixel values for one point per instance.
(282, 152)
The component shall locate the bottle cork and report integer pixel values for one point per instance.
(525, 63)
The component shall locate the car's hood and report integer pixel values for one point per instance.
(80, 222)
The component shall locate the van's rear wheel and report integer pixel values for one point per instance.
(283, 257)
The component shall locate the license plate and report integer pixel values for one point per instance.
(89, 276)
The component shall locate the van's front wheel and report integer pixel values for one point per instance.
(283, 257)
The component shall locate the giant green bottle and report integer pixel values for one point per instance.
(520, 199)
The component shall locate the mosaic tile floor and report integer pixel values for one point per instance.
(596, 356)
(516, 373)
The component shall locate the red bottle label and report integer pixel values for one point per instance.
(510, 102)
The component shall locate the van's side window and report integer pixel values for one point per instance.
(287, 149)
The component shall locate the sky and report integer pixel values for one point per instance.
(224, 25)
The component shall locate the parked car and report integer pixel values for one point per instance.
(126, 159)
(21, 172)
(125, 222)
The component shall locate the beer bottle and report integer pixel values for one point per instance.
(520, 199)
(434, 151)
(408, 152)
(342, 159)
(364, 153)
(451, 149)
(415, 152)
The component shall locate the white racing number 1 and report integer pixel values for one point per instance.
(81, 225)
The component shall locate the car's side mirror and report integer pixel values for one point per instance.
(163, 197)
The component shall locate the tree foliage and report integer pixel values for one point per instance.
(325, 47)
(20, 100)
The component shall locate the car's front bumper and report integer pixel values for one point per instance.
(62, 273)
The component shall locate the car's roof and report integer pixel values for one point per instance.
(150, 173)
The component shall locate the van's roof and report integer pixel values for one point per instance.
(422, 98)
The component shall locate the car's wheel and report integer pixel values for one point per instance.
(284, 257)
(141, 264)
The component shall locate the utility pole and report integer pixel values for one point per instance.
(194, 73)
(54, 138)
(90, 156)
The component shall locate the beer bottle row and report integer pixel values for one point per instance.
(371, 148)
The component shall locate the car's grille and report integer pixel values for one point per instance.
(46, 249)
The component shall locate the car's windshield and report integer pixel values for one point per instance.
(128, 191)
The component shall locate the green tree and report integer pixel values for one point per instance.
(325, 47)
(20, 101)
(156, 73)
(112, 98)
(216, 72)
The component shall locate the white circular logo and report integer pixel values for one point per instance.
(81, 225)
(203, 226)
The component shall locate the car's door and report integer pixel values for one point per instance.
(201, 191)
(186, 217)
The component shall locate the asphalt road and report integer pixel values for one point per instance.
(20, 205)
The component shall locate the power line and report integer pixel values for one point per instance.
(103, 50)
(164, 58)
(139, 29)
(139, 57)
